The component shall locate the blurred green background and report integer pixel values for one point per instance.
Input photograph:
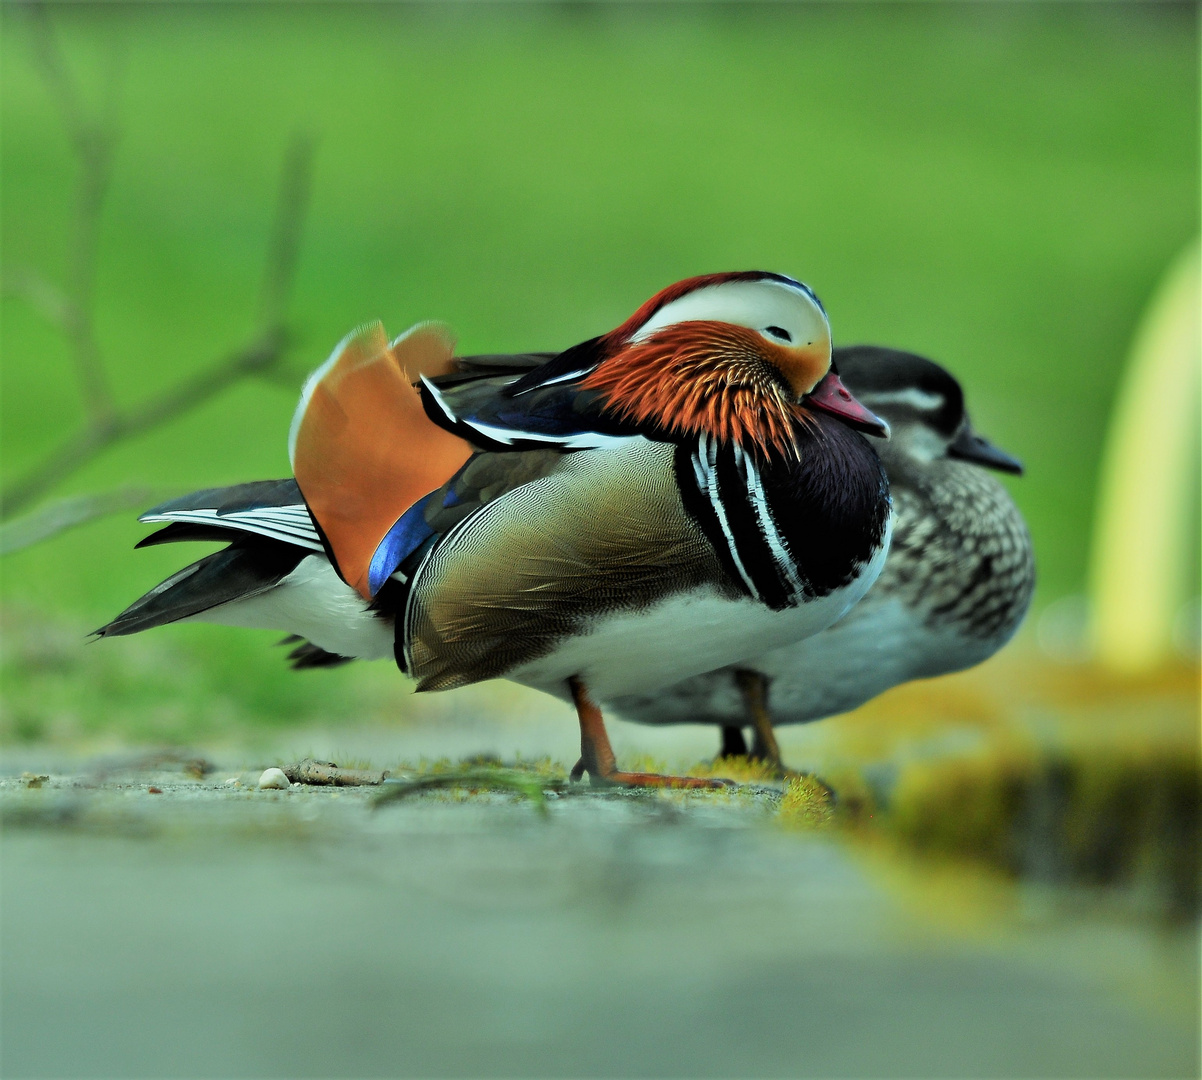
(997, 186)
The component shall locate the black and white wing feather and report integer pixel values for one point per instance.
(560, 416)
(270, 508)
(527, 401)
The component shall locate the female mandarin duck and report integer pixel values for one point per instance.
(956, 584)
(648, 505)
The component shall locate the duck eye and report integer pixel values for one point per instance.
(777, 332)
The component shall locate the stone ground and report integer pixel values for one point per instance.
(214, 929)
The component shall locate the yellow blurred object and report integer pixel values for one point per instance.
(1142, 531)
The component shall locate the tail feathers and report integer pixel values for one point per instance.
(238, 572)
(363, 449)
(254, 495)
(307, 655)
(185, 530)
(272, 508)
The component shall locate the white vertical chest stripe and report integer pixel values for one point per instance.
(706, 460)
(767, 523)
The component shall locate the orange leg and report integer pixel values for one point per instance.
(597, 756)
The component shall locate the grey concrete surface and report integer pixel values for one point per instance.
(215, 931)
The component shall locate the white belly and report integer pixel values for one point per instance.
(314, 602)
(881, 643)
(638, 652)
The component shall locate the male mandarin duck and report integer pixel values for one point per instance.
(956, 584)
(648, 505)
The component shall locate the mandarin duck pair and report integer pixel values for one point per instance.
(666, 519)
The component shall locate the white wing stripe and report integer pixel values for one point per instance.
(276, 523)
(558, 379)
(581, 440)
(254, 516)
(439, 400)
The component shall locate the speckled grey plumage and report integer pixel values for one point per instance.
(961, 555)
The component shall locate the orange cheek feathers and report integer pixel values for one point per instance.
(803, 367)
(702, 376)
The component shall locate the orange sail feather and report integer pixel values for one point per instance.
(363, 450)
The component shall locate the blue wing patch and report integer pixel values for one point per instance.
(401, 541)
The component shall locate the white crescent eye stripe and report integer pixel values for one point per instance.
(922, 400)
(755, 304)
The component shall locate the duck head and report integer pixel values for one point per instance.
(739, 356)
(924, 405)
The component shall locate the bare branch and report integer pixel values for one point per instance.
(293, 201)
(58, 78)
(179, 399)
(309, 771)
(71, 309)
(286, 376)
(94, 142)
(63, 514)
(42, 295)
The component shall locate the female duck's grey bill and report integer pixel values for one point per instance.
(969, 446)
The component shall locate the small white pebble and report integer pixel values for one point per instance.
(274, 778)
(233, 781)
